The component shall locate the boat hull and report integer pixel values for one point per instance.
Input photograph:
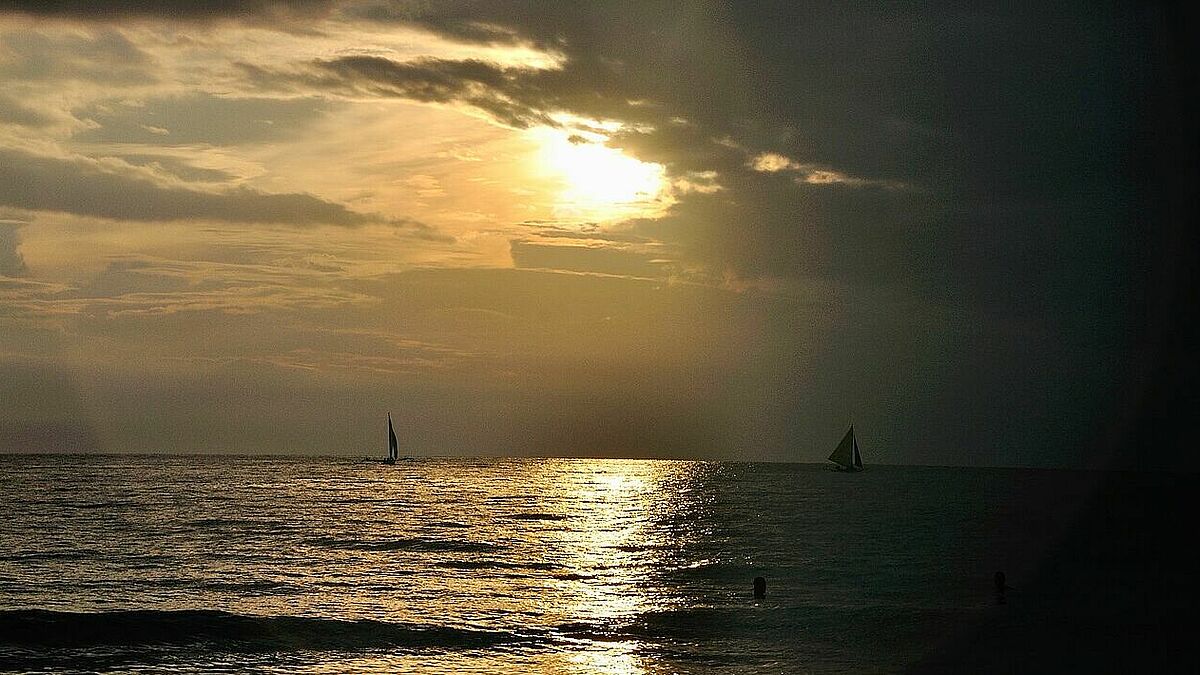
(845, 469)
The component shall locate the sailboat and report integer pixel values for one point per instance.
(393, 446)
(846, 455)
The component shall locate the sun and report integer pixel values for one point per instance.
(596, 181)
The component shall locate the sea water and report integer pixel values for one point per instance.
(455, 565)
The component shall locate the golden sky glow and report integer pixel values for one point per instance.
(443, 164)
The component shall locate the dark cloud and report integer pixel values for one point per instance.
(1026, 104)
(629, 60)
(714, 86)
(482, 85)
(1007, 126)
(169, 9)
(93, 188)
(516, 96)
(476, 83)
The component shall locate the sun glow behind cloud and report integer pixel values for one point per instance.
(598, 182)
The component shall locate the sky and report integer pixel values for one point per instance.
(718, 230)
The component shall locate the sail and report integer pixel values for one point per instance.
(846, 454)
(393, 446)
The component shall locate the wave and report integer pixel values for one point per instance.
(220, 522)
(484, 564)
(639, 548)
(420, 544)
(213, 630)
(32, 556)
(66, 503)
(537, 516)
(574, 576)
(261, 586)
(223, 631)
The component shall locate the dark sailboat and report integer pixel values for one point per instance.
(393, 446)
(846, 455)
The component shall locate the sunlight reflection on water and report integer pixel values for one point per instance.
(484, 565)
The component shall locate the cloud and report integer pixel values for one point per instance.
(16, 112)
(180, 169)
(103, 55)
(703, 182)
(485, 86)
(589, 259)
(113, 189)
(175, 10)
(773, 162)
(805, 189)
(425, 186)
(138, 287)
(708, 133)
(12, 264)
(573, 93)
(198, 118)
(943, 149)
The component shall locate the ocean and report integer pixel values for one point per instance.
(158, 564)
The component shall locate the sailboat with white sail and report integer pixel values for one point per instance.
(846, 456)
(393, 446)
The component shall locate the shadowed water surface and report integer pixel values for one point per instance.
(158, 564)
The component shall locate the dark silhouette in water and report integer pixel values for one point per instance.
(760, 587)
(999, 586)
(393, 446)
(846, 456)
